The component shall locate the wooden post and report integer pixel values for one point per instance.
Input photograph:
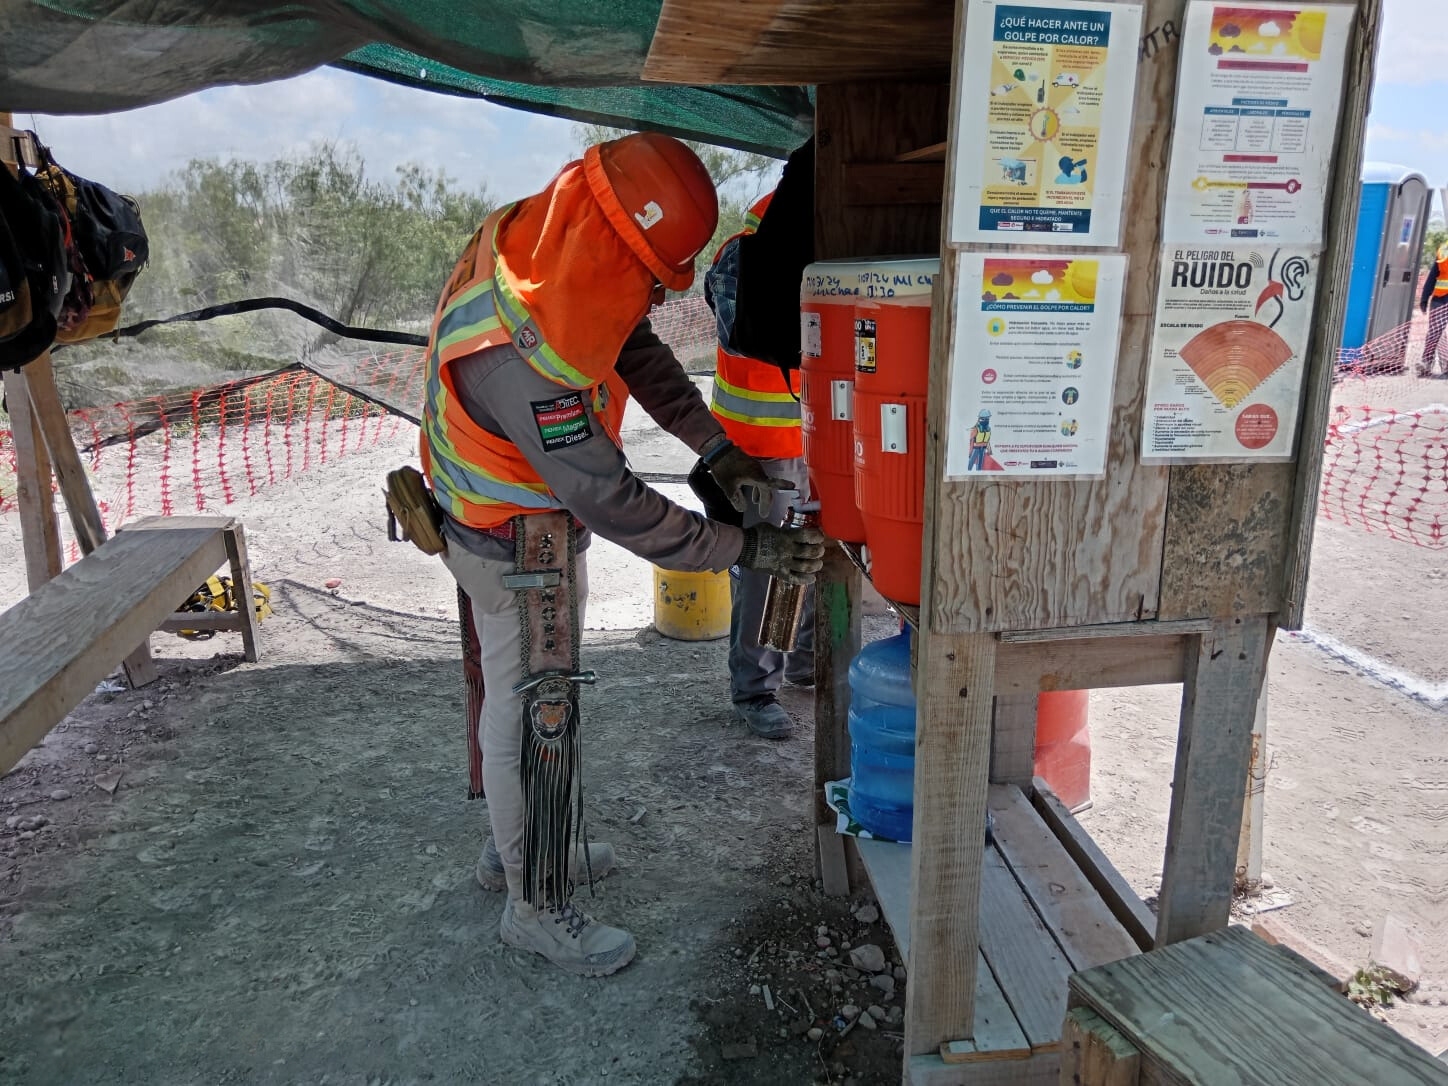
(241, 588)
(1214, 750)
(952, 755)
(33, 493)
(1249, 844)
(837, 642)
(1095, 1054)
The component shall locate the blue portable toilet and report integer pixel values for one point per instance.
(1392, 218)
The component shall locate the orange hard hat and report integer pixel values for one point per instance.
(659, 197)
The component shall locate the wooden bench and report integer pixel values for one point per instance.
(69, 634)
(1228, 1008)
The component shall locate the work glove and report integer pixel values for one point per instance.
(735, 471)
(793, 555)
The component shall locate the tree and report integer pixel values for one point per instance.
(1433, 240)
(740, 177)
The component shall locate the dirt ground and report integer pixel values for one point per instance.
(280, 887)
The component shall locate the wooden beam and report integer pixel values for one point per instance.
(1093, 1053)
(1335, 280)
(57, 643)
(798, 41)
(952, 754)
(873, 184)
(39, 534)
(1124, 902)
(1033, 666)
(1214, 751)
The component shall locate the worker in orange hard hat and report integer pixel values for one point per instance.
(539, 338)
(757, 403)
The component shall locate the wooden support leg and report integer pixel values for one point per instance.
(952, 761)
(241, 588)
(80, 502)
(1214, 750)
(1249, 846)
(837, 642)
(1095, 1054)
(1013, 740)
(33, 492)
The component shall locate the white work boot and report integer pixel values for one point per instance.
(491, 876)
(567, 937)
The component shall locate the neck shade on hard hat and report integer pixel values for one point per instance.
(659, 198)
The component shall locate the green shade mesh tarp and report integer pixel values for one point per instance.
(578, 59)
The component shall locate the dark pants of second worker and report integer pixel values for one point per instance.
(1437, 322)
(754, 670)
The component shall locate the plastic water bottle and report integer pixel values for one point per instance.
(882, 738)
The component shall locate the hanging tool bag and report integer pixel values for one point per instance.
(107, 250)
(412, 512)
(219, 594)
(35, 274)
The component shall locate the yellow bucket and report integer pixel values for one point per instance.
(691, 606)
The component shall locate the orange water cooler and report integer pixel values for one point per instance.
(827, 391)
(1063, 745)
(892, 375)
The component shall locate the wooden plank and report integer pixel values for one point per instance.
(56, 644)
(1023, 954)
(1040, 1070)
(39, 533)
(214, 621)
(242, 589)
(1111, 631)
(888, 866)
(997, 1034)
(1081, 922)
(834, 868)
(1013, 738)
(1023, 667)
(872, 184)
(1124, 902)
(1227, 1008)
(798, 41)
(861, 123)
(1095, 1054)
(1214, 751)
(935, 152)
(1027, 554)
(16, 145)
(1331, 310)
(952, 757)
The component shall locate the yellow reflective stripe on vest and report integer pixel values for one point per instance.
(472, 313)
(754, 408)
(454, 481)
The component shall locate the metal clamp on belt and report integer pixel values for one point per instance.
(589, 677)
(526, 582)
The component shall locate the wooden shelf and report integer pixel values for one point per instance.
(908, 611)
(1042, 919)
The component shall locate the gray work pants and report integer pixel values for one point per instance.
(755, 671)
(500, 731)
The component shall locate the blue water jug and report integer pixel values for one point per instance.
(882, 738)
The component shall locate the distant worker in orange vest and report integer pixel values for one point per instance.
(759, 410)
(539, 338)
(1434, 302)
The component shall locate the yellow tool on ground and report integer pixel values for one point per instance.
(217, 594)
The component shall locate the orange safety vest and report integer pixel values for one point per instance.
(1441, 289)
(756, 405)
(482, 479)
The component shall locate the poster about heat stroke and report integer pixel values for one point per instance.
(1258, 100)
(1045, 119)
(1227, 359)
(1032, 379)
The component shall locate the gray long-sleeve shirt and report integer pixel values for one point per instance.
(583, 467)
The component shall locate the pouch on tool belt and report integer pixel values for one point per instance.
(411, 506)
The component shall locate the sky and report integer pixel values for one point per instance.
(515, 153)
